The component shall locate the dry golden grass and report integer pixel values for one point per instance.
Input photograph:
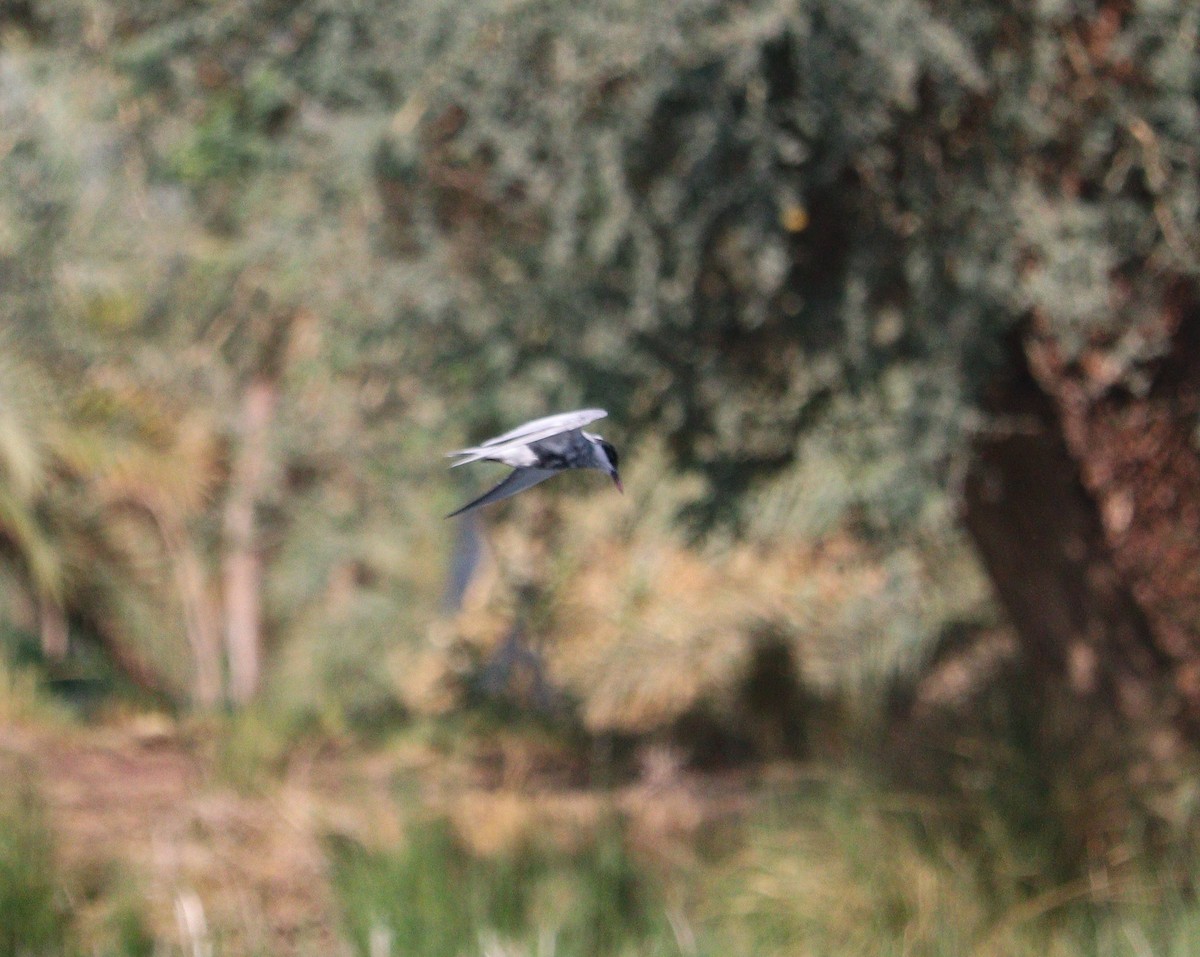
(788, 860)
(141, 818)
(641, 627)
(137, 812)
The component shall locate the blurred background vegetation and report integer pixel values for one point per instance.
(892, 647)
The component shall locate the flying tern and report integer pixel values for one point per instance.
(539, 450)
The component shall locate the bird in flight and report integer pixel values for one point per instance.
(540, 449)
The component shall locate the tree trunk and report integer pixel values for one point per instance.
(200, 621)
(1039, 529)
(242, 565)
(203, 631)
(52, 623)
(1139, 461)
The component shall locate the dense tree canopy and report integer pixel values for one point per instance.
(722, 218)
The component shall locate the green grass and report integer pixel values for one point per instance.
(39, 899)
(32, 917)
(828, 868)
(432, 898)
(831, 863)
(842, 868)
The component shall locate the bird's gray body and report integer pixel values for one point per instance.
(519, 448)
(539, 450)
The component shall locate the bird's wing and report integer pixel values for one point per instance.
(517, 481)
(544, 428)
(534, 431)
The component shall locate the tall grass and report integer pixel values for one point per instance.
(32, 918)
(433, 898)
(839, 867)
(830, 865)
(823, 861)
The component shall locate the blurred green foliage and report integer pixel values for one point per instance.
(434, 897)
(787, 237)
(783, 241)
(726, 220)
(34, 922)
(840, 869)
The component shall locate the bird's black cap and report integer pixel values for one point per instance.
(610, 453)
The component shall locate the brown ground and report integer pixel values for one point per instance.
(139, 811)
(140, 803)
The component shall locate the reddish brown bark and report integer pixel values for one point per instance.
(1039, 534)
(1137, 458)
